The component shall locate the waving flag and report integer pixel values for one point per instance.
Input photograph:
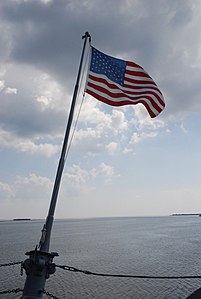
(117, 82)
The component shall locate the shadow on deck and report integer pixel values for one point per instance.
(195, 295)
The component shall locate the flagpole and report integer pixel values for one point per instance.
(39, 265)
(45, 238)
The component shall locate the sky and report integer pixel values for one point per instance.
(120, 162)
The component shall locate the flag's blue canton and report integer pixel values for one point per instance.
(111, 67)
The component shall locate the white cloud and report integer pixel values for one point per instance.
(112, 147)
(91, 112)
(6, 89)
(138, 137)
(31, 188)
(9, 90)
(43, 100)
(50, 92)
(46, 149)
(142, 120)
(127, 150)
(107, 171)
(5, 191)
(37, 75)
(183, 128)
(77, 181)
(98, 127)
(11, 141)
(46, 1)
(2, 84)
(77, 176)
(33, 179)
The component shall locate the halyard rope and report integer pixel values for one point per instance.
(79, 110)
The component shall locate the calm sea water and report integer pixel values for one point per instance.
(138, 246)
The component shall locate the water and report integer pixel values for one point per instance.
(138, 246)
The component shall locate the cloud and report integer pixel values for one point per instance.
(40, 50)
(142, 121)
(137, 137)
(31, 188)
(97, 128)
(2, 84)
(33, 31)
(5, 191)
(112, 147)
(36, 146)
(107, 171)
(76, 181)
(9, 90)
(22, 110)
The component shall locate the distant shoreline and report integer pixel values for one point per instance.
(21, 219)
(186, 214)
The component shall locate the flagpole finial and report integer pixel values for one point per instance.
(87, 35)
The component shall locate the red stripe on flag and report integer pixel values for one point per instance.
(120, 95)
(138, 74)
(123, 92)
(141, 82)
(133, 64)
(121, 103)
(118, 82)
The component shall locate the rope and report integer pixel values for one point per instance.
(21, 290)
(11, 291)
(73, 269)
(76, 121)
(49, 294)
(10, 264)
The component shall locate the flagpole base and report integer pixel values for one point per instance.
(38, 267)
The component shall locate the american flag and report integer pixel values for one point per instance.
(117, 82)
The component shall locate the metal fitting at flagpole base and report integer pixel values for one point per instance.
(39, 265)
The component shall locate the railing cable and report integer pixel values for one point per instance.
(73, 269)
(50, 295)
(11, 291)
(10, 264)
